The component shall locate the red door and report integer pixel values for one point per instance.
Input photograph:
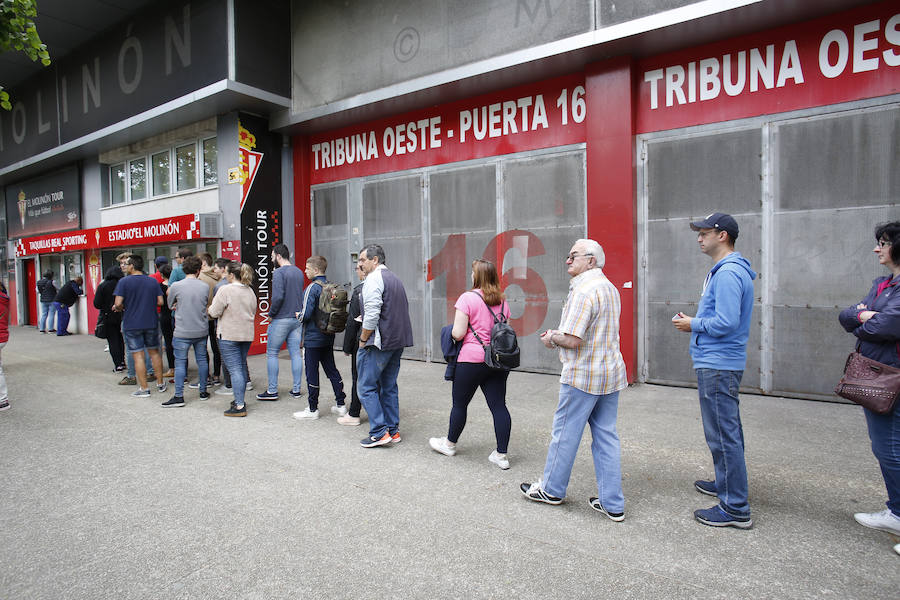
(31, 293)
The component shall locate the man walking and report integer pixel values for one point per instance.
(593, 373)
(139, 295)
(188, 299)
(718, 348)
(67, 296)
(286, 302)
(386, 331)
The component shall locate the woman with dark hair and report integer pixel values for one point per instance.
(4, 337)
(876, 324)
(47, 294)
(234, 305)
(475, 312)
(103, 301)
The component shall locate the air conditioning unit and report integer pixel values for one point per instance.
(211, 225)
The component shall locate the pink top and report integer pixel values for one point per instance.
(481, 320)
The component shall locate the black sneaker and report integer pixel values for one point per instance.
(234, 411)
(595, 504)
(173, 401)
(534, 491)
(294, 394)
(267, 396)
(204, 395)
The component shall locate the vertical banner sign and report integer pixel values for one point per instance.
(260, 212)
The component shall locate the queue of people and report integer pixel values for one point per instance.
(214, 299)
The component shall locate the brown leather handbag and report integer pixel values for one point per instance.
(869, 383)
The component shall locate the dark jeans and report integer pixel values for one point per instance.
(313, 357)
(234, 355)
(116, 345)
(469, 377)
(884, 431)
(168, 330)
(216, 367)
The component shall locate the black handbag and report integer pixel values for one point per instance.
(869, 383)
(100, 329)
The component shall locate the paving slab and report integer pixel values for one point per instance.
(109, 496)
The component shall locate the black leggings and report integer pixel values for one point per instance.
(469, 377)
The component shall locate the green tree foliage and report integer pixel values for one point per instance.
(17, 32)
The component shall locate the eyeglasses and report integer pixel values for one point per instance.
(573, 255)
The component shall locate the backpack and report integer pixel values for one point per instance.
(331, 311)
(502, 353)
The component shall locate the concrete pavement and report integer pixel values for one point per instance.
(108, 496)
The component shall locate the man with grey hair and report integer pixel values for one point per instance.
(593, 373)
(386, 331)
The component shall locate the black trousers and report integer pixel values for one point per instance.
(355, 406)
(167, 325)
(469, 377)
(116, 346)
(216, 366)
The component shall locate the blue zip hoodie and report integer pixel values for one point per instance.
(720, 331)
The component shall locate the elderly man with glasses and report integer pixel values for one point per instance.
(593, 373)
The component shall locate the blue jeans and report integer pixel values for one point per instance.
(139, 340)
(577, 408)
(378, 392)
(62, 319)
(234, 355)
(48, 316)
(181, 347)
(884, 431)
(720, 410)
(280, 331)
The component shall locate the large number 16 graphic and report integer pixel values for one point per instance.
(451, 261)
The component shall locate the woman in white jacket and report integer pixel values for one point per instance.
(235, 307)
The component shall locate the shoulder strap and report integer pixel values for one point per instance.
(497, 319)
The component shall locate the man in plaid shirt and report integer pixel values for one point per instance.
(593, 373)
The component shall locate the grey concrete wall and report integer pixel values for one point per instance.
(341, 49)
(92, 192)
(227, 158)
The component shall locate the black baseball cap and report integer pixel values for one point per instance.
(160, 260)
(720, 221)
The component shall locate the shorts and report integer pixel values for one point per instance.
(139, 340)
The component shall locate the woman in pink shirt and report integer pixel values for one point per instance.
(472, 313)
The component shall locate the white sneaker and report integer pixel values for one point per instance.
(224, 391)
(339, 410)
(348, 420)
(884, 521)
(306, 414)
(897, 548)
(249, 385)
(499, 459)
(442, 445)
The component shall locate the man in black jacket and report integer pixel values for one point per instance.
(351, 346)
(67, 296)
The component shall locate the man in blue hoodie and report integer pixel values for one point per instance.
(719, 336)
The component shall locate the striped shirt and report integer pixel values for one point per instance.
(591, 312)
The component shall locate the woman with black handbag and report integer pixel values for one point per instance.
(876, 324)
(112, 321)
